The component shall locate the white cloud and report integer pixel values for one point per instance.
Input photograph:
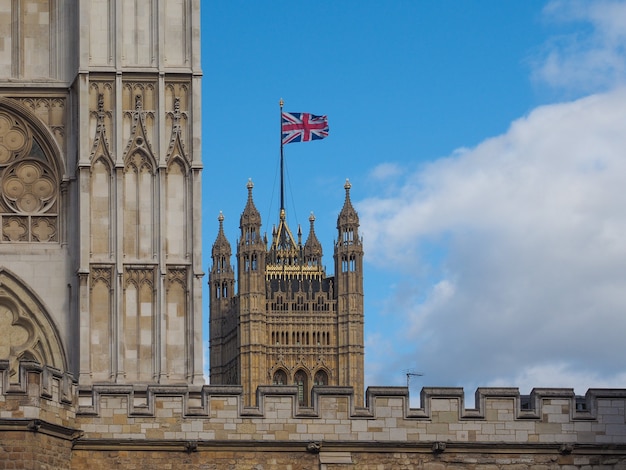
(585, 59)
(560, 375)
(528, 280)
(386, 170)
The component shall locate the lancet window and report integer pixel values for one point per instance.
(321, 378)
(300, 379)
(280, 378)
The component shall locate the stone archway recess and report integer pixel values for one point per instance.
(26, 330)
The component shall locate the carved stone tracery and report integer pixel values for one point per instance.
(29, 184)
(138, 276)
(26, 333)
(177, 276)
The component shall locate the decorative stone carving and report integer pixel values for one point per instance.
(25, 330)
(28, 187)
(101, 274)
(101, 117)
(138, 101)
(14, 138)
(14, 229)
(44, 229)
(177, 118)
(51, 111)
(138, 276)
(28, 183)
(177, 276)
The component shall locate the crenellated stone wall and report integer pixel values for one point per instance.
(60, 425)
(181, 413)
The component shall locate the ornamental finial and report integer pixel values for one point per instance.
(281, 103)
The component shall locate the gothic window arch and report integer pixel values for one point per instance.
(218, 290)
(280, 377)
(352, 263)
(321, 378)
(26, 330)
(29, 180)
(101, 209)
(176, 208)
(300, 378)
(138, 206)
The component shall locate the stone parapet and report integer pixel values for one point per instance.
(216, 413)
(37, 393)
(37, 414)
(45, 417)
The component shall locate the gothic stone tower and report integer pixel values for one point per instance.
(100, 269)
(289, 323)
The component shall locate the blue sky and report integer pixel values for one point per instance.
(484, 142)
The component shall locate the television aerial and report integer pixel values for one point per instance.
(409, 374)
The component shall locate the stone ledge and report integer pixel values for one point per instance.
(40, 426)
(425, 447)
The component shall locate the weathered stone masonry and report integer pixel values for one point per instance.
(50, 418)
(101, 277)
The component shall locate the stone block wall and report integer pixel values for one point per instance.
(33, 450)
(49, 422)
(36, 415)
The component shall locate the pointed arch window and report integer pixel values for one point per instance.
(348, 236)
(300, 379)
(251, 236)
(280, 378)
(321, 378)
(29, 185)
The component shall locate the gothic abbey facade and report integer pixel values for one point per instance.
(101, 277)
(100, 170)
(290, 322)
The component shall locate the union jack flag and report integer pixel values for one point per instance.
(302, 127)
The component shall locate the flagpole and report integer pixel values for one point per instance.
(282, 166)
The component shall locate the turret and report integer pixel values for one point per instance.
(251, 255)
(221, 277)
(349, 291)
(222, 290)
(312, 247)
(250, 249)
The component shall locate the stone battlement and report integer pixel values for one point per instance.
(37, 392)
(216, 413)
(181, 412)
(174, 421)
